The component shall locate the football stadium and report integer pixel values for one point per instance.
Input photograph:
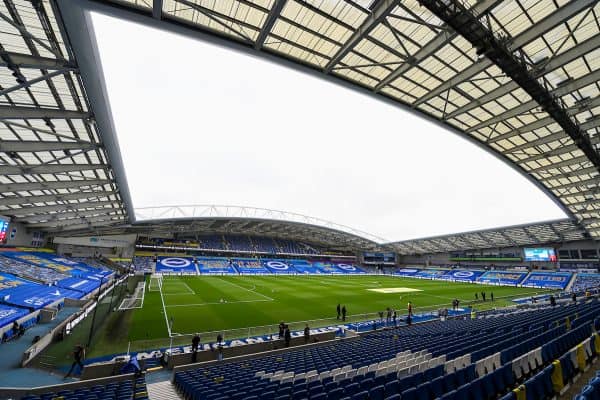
(300, 199)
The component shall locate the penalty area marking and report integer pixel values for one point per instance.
(395, 290)
(218, 303)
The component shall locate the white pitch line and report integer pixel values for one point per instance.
(251, 291)
(164, 309)
(219, 303)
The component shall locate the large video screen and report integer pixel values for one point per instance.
(3, 229)
(540, 254)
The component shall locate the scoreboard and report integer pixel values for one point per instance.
(540, 254)
(379, 258)
(4, 229)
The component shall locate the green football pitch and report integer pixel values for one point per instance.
(216, 303)
(242, 306)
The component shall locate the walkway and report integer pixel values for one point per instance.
(11, 374)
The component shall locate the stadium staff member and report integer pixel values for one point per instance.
(195, 345)
(306, 334)
(338, 311)
(410, 309)
(344, 312)
(78, 355)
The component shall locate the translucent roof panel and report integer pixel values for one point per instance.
(201, 124)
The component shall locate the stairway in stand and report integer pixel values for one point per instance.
(162, 391)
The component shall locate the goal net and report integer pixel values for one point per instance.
(155, 283)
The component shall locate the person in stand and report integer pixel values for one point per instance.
(78, 355)
(552, 300)
(574, 297)
(388, 316)
(287, 336)
(15, 328)
(394, 316)
(281, 329)
(195, 345)
(492, 296)
(344, 312)
(409, 319)
(219, 339)
(338, 308)
(306, 334)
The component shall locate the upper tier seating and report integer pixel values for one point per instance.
(141, 263)
(239, 243)
(476, 359)
(92, 262)
(28, 271)
(212, 242)
(264, 244)
(291, 247)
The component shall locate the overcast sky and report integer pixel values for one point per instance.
(201, 124)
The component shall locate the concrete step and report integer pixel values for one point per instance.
(162, 391)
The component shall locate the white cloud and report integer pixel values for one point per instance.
(201, 124)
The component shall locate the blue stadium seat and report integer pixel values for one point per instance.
(377, 393)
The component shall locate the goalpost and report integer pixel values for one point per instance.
(155, 284)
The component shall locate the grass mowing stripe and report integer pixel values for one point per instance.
(219, 303)
(252, 291)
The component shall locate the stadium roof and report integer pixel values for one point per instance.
(519, 78)
(512, 236)
(193, 220)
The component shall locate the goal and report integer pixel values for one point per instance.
(155, 283)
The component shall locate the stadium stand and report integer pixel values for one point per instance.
(216, 266)
(239, 243)
(264, 245)
(502, 277)
(175, 264)
(292, 247)
(213, 242)
(249, 266)
(92, 262)
(143, 263)
(461, 275)
(486, 358)
(591, 391)
(585, 281)
(123, 390)
(549, 280)
(29, 271)
(9, 314)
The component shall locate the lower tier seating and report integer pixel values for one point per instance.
(458, 360)
(122, 390)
